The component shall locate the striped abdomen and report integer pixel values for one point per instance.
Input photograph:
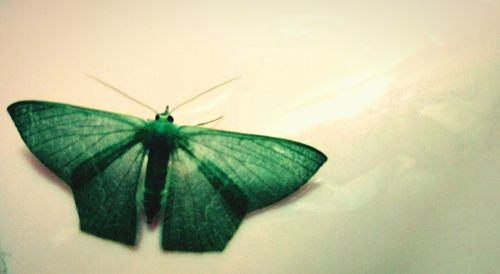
(159, 143)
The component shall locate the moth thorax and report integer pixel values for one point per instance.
(160, 134)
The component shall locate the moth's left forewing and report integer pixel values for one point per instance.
(266, 169)
(234, 173)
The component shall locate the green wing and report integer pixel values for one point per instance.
(98, 154)
(216, 177)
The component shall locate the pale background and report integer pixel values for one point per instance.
(403, 97)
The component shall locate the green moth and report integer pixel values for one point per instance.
(200, 181)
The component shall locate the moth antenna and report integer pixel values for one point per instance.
(208, 122)
(203, 93)
(121, 92)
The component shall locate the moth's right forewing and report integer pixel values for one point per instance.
(63, 137)
(99, 154)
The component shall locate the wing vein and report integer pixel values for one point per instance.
(270, 159)
(111, 198)
(252, 138)
(242, 164)
(35, 145)
(34, 131)
(84, 151)
(67, 113)
(23, 113)
(197, 208)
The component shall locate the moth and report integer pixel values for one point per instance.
(199, 183)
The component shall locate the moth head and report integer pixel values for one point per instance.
(165, 116)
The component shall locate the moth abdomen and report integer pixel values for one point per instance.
(151, 204)
(160, 146)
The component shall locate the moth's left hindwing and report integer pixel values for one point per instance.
(98, 154)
